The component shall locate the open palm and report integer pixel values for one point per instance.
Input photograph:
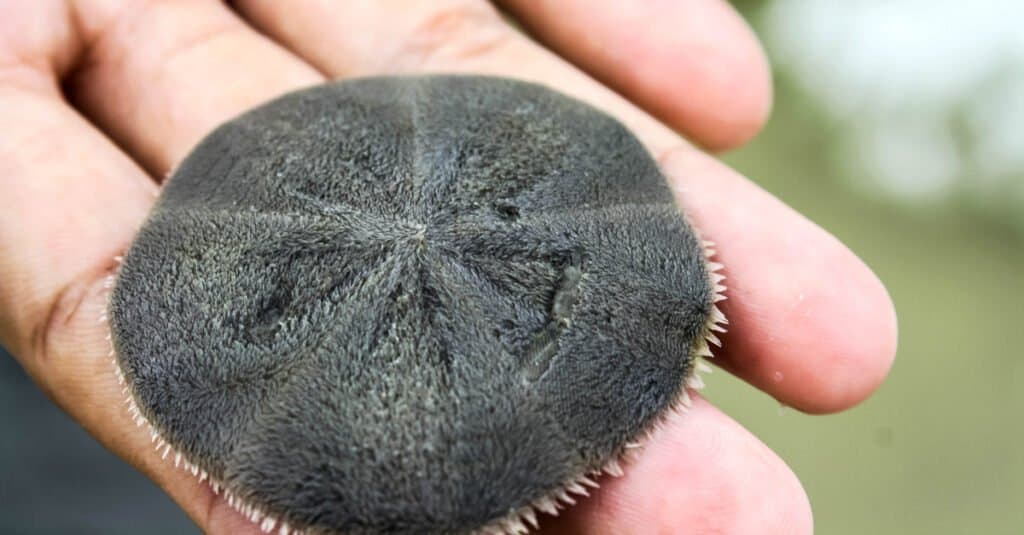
(99, 99)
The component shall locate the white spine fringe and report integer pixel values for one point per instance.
(518, 522)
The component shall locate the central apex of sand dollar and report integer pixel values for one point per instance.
(410, 304)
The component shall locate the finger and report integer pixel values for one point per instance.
(394, 36)
(68, 198)
(69, 201)
(204, 65)
(809, 323)
(699, 473)
(694, 64)
(160, 75)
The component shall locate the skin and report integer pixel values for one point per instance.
(144, 81)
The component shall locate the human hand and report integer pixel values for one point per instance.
(144, 81)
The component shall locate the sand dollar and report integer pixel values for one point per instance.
(410, 305)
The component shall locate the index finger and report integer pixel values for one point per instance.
(69, 202)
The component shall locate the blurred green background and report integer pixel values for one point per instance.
(897, 128)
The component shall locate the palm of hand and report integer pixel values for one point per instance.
(156, 76)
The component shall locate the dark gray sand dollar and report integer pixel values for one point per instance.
(406, 305)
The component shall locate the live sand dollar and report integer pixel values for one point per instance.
(400, 305)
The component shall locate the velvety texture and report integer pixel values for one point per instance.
(410, 304)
